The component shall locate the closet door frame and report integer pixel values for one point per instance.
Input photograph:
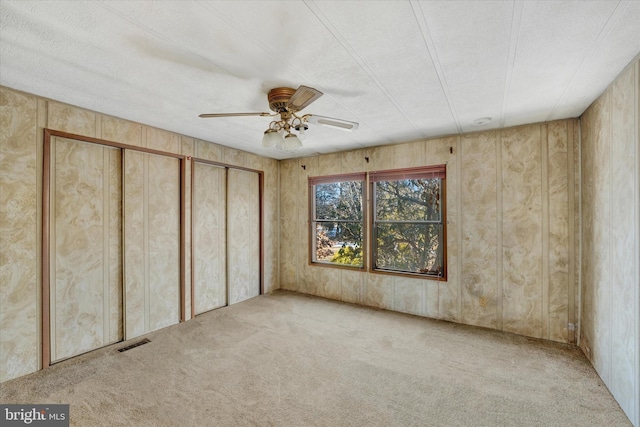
(46, 228)
(260, 173)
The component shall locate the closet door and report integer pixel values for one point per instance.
(85, 247)
(243, 241)
(209, 237)
(151, 242)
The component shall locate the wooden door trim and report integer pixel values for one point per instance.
(46, 241)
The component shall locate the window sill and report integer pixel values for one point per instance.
(336, 265)
(409, 274)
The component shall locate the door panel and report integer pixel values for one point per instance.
(243, 244)
(85, 251)
(151, 242)
(135, 244)
(209, 237)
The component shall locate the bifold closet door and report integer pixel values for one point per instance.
(209, 237)
(85, 252)
(243, 235)
(151, 241)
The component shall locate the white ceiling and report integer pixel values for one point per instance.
(405, 70)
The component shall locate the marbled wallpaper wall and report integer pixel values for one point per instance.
(511, 240)
(20, 228)
(22, 120)
(610, 333)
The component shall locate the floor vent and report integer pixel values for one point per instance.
(134, 345)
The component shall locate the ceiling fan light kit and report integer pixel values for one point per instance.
(291, 143)
(271, 138)
(286, 102)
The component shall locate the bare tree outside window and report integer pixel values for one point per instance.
(408, 226)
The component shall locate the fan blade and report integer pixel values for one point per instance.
(329, 121)
(204, 116)
(302, 97)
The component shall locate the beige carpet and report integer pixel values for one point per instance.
(287, 359)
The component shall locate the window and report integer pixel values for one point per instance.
(337, 220)
(408, 228)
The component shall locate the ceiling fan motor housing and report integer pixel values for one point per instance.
(279, 97)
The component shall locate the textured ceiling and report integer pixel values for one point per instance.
(405, 70)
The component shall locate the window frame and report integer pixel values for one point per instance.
(313, 221)
(423, 172)
(368, 217)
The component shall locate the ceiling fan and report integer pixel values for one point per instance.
(286, 102)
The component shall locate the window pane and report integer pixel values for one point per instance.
(408, 200)
(339, 200)
(339, 243)
(413, 248)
